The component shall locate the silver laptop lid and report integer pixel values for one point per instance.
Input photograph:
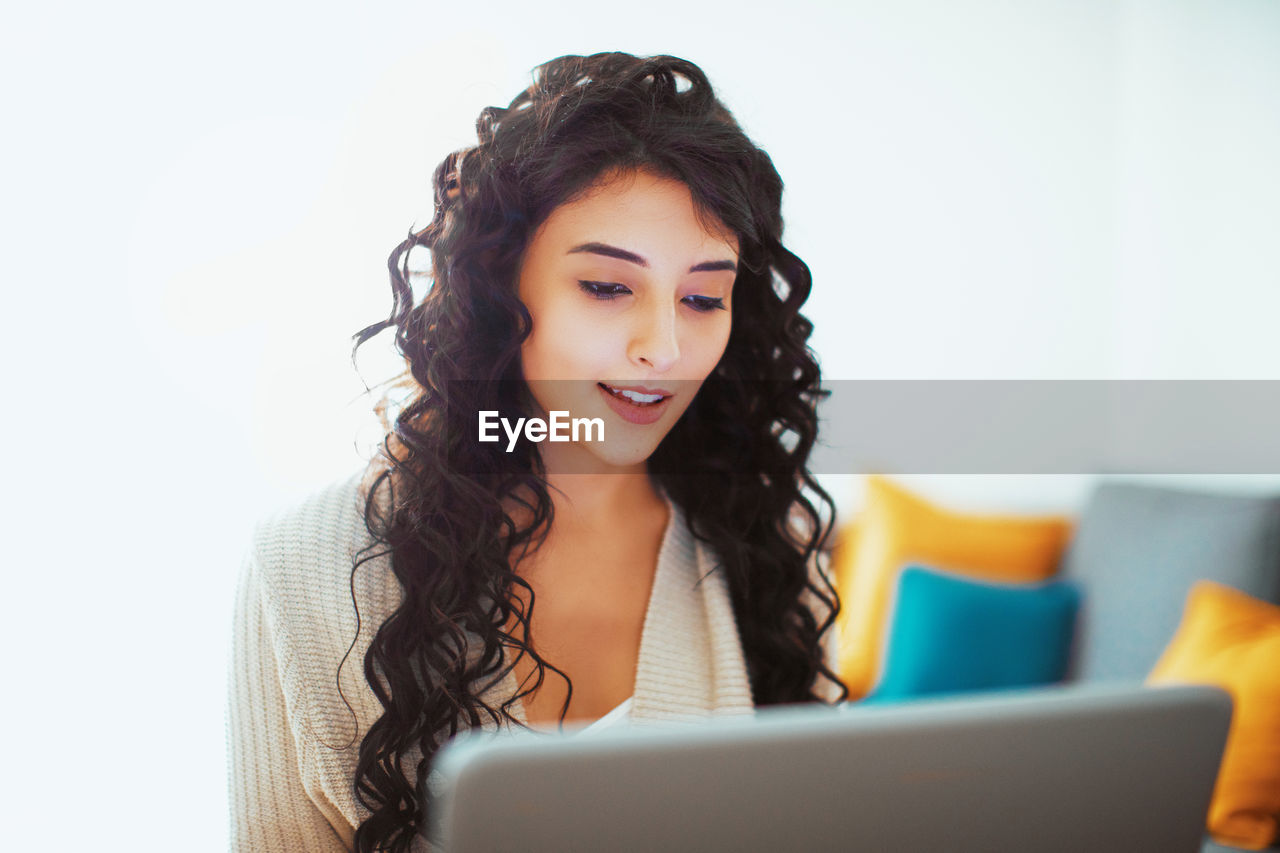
(1096, 768)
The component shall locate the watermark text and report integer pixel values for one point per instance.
(560, 427)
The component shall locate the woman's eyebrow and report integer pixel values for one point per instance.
(631, 257)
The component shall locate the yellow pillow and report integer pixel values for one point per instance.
(897, 528)
(1232, 640)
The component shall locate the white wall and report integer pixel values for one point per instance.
(200, 203)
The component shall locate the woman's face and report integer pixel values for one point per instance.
(631, 300)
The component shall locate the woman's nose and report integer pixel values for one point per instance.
(653, 341)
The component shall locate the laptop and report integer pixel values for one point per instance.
(1075, 768)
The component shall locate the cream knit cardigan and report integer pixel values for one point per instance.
(292, 742)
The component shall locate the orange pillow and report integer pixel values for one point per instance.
(1232, 640)
(896, 528)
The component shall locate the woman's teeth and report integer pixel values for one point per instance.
(633, 396)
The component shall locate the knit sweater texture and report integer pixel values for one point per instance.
(292, 740)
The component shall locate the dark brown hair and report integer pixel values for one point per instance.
(735, 463)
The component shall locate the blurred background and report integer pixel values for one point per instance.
(199, 203)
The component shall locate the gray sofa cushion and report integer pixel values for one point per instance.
(1137, 551)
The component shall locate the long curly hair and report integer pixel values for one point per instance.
(735, 463)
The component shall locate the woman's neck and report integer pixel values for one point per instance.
(595, 514)
(599, 500)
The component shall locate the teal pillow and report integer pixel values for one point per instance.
(952, 634)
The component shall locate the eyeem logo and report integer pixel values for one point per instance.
(559, 428)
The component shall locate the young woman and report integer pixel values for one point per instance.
(610, 251)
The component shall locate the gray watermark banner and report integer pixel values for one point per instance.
(1049, 427)
(748, 427)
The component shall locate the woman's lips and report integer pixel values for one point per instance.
(631, 410)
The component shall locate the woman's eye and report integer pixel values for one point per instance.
(705, 303)
(602, 289)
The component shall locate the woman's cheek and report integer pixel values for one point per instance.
(708, 346)
(587, 346)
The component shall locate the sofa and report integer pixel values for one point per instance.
(1136, 553)
(1132, 558)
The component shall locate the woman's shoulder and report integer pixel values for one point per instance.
(309, 529)
(304, 555)
(305, 565)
